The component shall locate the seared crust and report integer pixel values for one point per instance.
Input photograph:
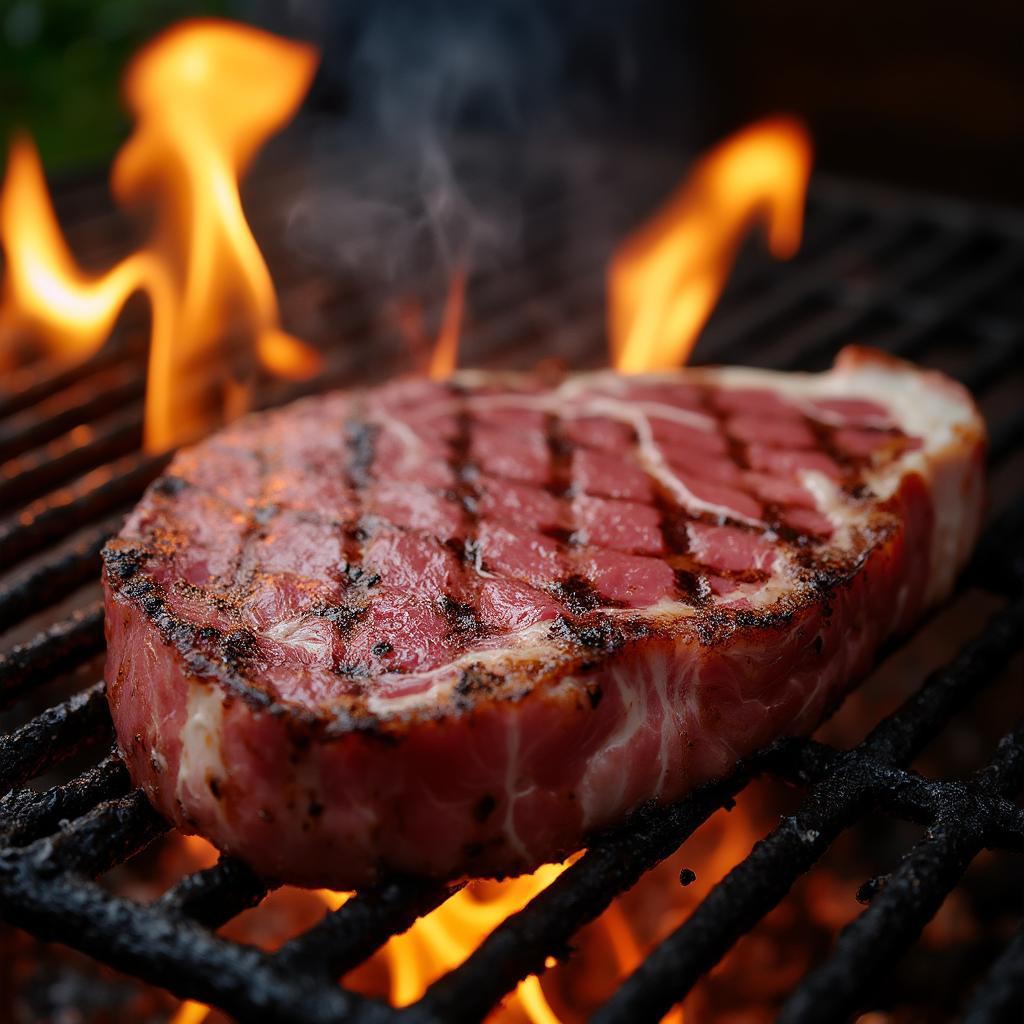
(553, 630)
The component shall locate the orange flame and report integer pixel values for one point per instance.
(205, 103)
(445, 355)
(664, 280)
(190, 1012)
(69, 311)
(606, 950)
(443, 939)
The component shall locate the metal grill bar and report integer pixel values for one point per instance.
(520, 945)
(1000, 997)
(905, 271)
(760, 882)
(79, 404)
(52, 737)
(923, 319)
(54, 579)
(171, 952)
(108, 835)
(95, 495)
(911, 895)
(33, 474)
(60, 648)
(35, 815)
(351, 934)
(33, 386)
(214, 896)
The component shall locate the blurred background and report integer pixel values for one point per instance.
(912, 93)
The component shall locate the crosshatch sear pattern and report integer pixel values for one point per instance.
(450, 629)
(391, 531)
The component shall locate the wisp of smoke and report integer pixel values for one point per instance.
(423, 79)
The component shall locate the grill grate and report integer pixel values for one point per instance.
(936, 281)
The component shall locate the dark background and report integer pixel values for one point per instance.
(924, 94)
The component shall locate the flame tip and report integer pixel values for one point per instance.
(665, 279)
(445, 356)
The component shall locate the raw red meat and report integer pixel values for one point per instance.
(452, 628)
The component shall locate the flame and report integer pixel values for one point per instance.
(446, 349)
(444, 938)
(531, 996)
(664, 279)
(71, 312)
(190, 1012)
(204, 103)
(755, 975)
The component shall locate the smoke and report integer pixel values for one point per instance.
(414, 87)
(420, 68)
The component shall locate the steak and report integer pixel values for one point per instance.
(454, 628)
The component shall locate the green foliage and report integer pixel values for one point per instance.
(60, 64)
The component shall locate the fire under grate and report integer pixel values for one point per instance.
(935, 281)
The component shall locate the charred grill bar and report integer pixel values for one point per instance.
(914, 276)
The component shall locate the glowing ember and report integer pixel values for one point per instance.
(204, 104)
(665, 279)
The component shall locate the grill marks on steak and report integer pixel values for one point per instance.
(393, 534)
(561, 597)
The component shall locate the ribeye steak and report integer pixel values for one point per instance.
(454, 627)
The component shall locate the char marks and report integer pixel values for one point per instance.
(578, 594)
(461, 611)
(360, 438)
(466, 689)
(401, 532)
